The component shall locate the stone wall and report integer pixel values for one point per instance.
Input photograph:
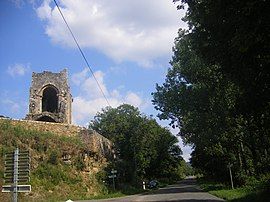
(56, 128)
(95, 142)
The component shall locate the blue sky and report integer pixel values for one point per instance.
(128, 45)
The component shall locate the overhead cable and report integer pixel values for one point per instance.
(82, 54)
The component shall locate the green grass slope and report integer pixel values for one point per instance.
(52, 178)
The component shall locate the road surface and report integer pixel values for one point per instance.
(184, 191)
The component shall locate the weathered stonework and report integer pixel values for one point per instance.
(61, 129)
(50, 98)
(95, 142)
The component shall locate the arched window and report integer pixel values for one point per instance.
(49, 100)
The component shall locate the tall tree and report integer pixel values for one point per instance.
(217, 90)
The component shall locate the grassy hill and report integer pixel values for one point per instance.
(61, 167)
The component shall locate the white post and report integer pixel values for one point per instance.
(143, 185)
(229, 166)
(113, 183)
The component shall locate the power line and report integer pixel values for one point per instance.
(74, 38)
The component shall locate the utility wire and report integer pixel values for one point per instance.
(74, 38)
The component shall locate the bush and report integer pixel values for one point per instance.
(79, 163)
(128, 189)
(101, 176)
(53, 158)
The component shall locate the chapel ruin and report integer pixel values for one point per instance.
(50, 98)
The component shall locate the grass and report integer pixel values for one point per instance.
(230, 194)
(254, 191)
(211, 186)
(129, 190)
(52, 179)
(116, 194)
(243, 195)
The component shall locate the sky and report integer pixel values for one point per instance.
(128, 45)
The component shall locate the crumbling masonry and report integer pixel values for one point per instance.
(50, 97)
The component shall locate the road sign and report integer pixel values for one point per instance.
(20, 164)
(20, 188)
(11, 173)
(23, 165)
(20, 155)
(24, 152)
(112, 176)
(17, 169)
(10, 179)
(113, 171)
(19, 181)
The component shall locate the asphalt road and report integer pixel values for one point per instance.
(184, 191)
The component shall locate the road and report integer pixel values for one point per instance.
(184, 191)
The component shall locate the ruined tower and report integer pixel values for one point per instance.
(50, 97)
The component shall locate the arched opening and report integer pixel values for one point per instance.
(49, 100)
(46, 119)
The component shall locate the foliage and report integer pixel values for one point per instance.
(257, 190)
(217, 90)
(143, 148)
(55, 174)
(79, 163)
(188, 170)
(53, 158)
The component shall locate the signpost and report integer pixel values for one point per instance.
(230, 171)
(17, 169)
(113, 175)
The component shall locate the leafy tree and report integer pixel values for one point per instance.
(144, 149)
(193, 98)
(217, 91)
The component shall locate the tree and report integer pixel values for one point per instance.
(142, 146)
(217, 90)
(194, 97)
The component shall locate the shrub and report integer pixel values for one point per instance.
(53, 158)
(79, 163)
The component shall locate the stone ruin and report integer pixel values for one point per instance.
(50, 97)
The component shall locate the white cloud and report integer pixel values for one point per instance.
(18, 69)
(90, 100)
(79, 77)
(133, 99)
(88, 84)
(139, 31)
(85, 109)
(91, 88)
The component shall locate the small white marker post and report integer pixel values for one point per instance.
(143, 185)
(229, 166)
